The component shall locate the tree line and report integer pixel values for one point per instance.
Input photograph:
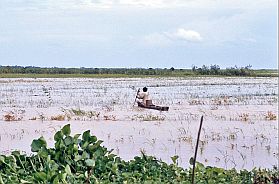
(216, 70)
(83, 70)
(204, 70)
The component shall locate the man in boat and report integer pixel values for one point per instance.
(144, 95)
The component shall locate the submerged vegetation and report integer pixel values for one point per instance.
(215, 70)
(85, 160)
(241, 113)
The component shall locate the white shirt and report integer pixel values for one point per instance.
(144, 95)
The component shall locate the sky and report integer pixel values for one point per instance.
(139, 33)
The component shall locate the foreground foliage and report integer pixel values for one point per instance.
(85, 160)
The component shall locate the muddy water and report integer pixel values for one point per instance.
(240, 129)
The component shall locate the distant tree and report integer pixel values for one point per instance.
(214, 69)
(194, 68)
(248, 67)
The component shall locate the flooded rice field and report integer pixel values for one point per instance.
(240, 128)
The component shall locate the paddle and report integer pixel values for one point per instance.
(136, 96)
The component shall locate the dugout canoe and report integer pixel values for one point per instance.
(155, 107)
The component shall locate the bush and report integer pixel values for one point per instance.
(215, 70)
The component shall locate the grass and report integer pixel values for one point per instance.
(11, 75)
(267, 72)
(257, 73)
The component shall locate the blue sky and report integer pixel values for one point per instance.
(138, 33)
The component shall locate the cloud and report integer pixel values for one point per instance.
(109, 4)
(186, 35)
(167, 38)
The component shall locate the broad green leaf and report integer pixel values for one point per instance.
(76, 136)
(68, 170)
(56, 180)
(93, 139)
(200, 165)
(16, 153)
(62, 145)
(80, 176)
(75, 148)
(77, 158)
(90, 162)
(2, 159)
(86, 135)
(84, 144)
(40, 176)
(66, 130)
(95, 147)
(68, 140)
(43, 152)
(76, 139)
(63, 177)
(57, 144)
(1, 180)
(99, 142)
(85, 155)
(114, 168)
(37, 144)
(58, 136)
